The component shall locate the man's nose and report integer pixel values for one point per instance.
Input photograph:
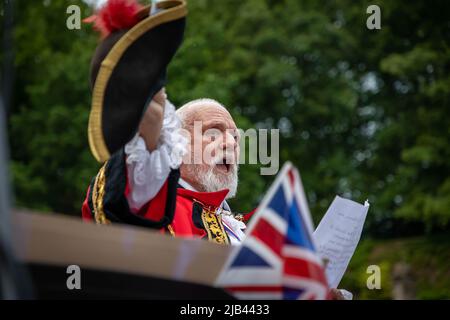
(229, 142)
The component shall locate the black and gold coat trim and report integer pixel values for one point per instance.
(108, 203)
(206, 217)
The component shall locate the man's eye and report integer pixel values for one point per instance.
(210, 137)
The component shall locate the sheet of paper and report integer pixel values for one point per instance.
(338, 234)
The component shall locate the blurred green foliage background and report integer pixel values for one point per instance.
(362, 113)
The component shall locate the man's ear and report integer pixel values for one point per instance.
(183, 171)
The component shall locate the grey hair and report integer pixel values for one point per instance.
(185, 110)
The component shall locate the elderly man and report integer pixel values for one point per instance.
(132, 187)
(216, 131)
(201, 140)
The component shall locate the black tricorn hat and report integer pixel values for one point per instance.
(128, 69)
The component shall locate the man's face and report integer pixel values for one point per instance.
(214, 149)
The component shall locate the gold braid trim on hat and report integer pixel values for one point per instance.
(97, 197)
(174, 9)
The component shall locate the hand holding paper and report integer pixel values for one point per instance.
(338, 234)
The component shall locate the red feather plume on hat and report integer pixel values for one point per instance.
(115, 15)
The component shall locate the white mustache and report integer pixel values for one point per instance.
(227, 158)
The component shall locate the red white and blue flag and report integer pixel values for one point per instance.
(277, 259)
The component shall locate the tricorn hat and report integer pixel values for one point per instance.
(129, 67)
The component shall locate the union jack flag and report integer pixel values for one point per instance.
(277, 259)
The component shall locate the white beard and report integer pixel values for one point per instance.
(210, 181)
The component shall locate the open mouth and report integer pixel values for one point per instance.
(223, 167)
